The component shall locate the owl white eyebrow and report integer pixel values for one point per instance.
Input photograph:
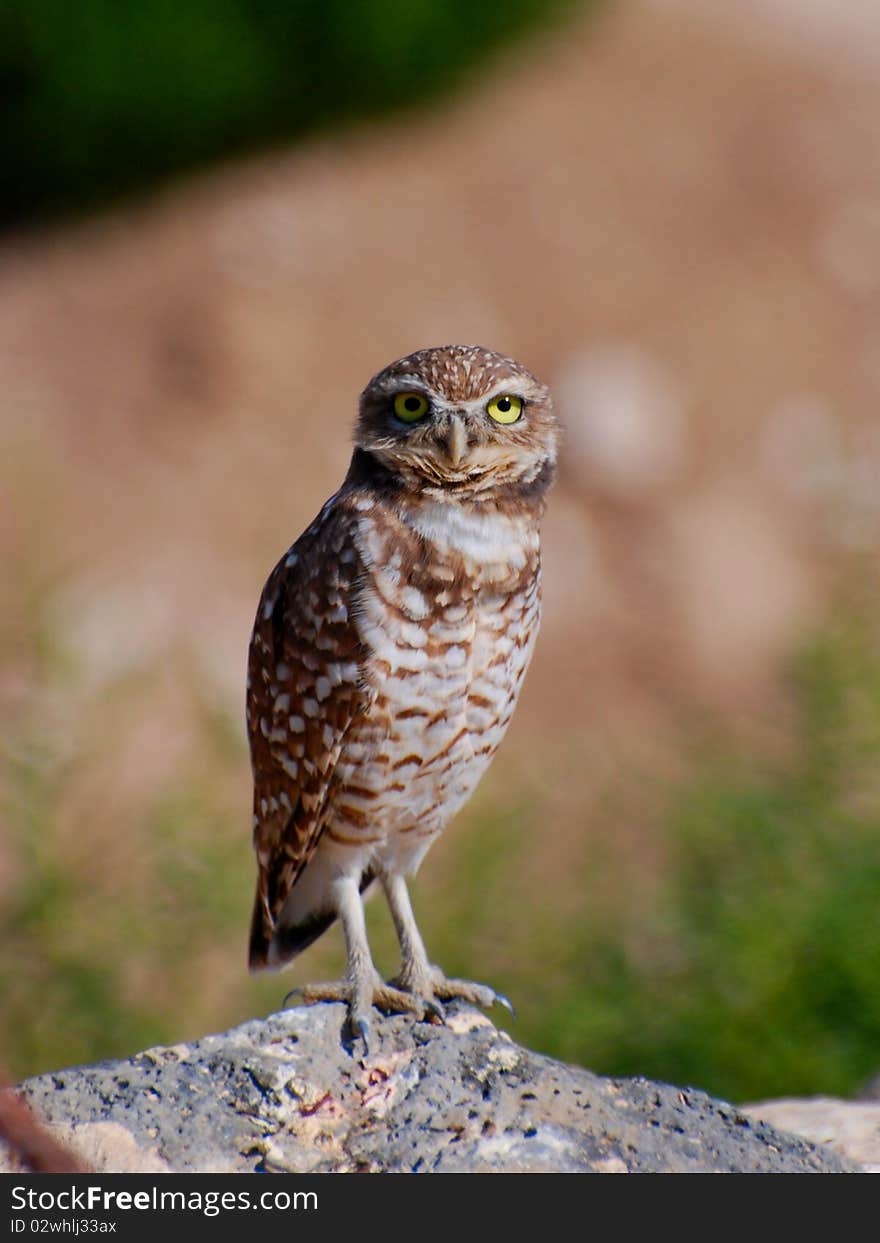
(480, 403)
(498, 389)
(406, 384)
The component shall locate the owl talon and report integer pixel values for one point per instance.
(361, 1026)
(466, 990)
(435, 1008)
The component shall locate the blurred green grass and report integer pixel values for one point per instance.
(746, 963)
(100, 97)
(756, 970)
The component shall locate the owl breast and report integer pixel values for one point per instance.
(448, 615)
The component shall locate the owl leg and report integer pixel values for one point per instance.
(360, 974)
(363, 987)
(417, 975)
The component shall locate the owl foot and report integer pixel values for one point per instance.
(359, 1001)
(438, 988)
(466, 990)
(384, 997)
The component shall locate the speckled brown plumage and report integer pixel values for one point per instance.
(388, 651)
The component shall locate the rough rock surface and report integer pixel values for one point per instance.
(284, 1094)
(851, 1128)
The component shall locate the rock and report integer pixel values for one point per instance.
(283, 1094)
(851, 1128)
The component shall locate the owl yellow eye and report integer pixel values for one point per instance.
(410, 407)
(505, 409)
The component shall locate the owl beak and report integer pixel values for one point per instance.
(456, 441)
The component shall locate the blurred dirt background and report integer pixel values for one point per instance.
(672, 217)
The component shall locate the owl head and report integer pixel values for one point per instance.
(459, 420)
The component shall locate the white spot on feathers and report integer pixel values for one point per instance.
(414, 603)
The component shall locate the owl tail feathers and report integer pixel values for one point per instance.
(260, 938)
(273, 945)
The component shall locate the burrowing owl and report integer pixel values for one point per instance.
(387, 657)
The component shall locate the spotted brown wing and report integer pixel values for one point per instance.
(305, 688)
